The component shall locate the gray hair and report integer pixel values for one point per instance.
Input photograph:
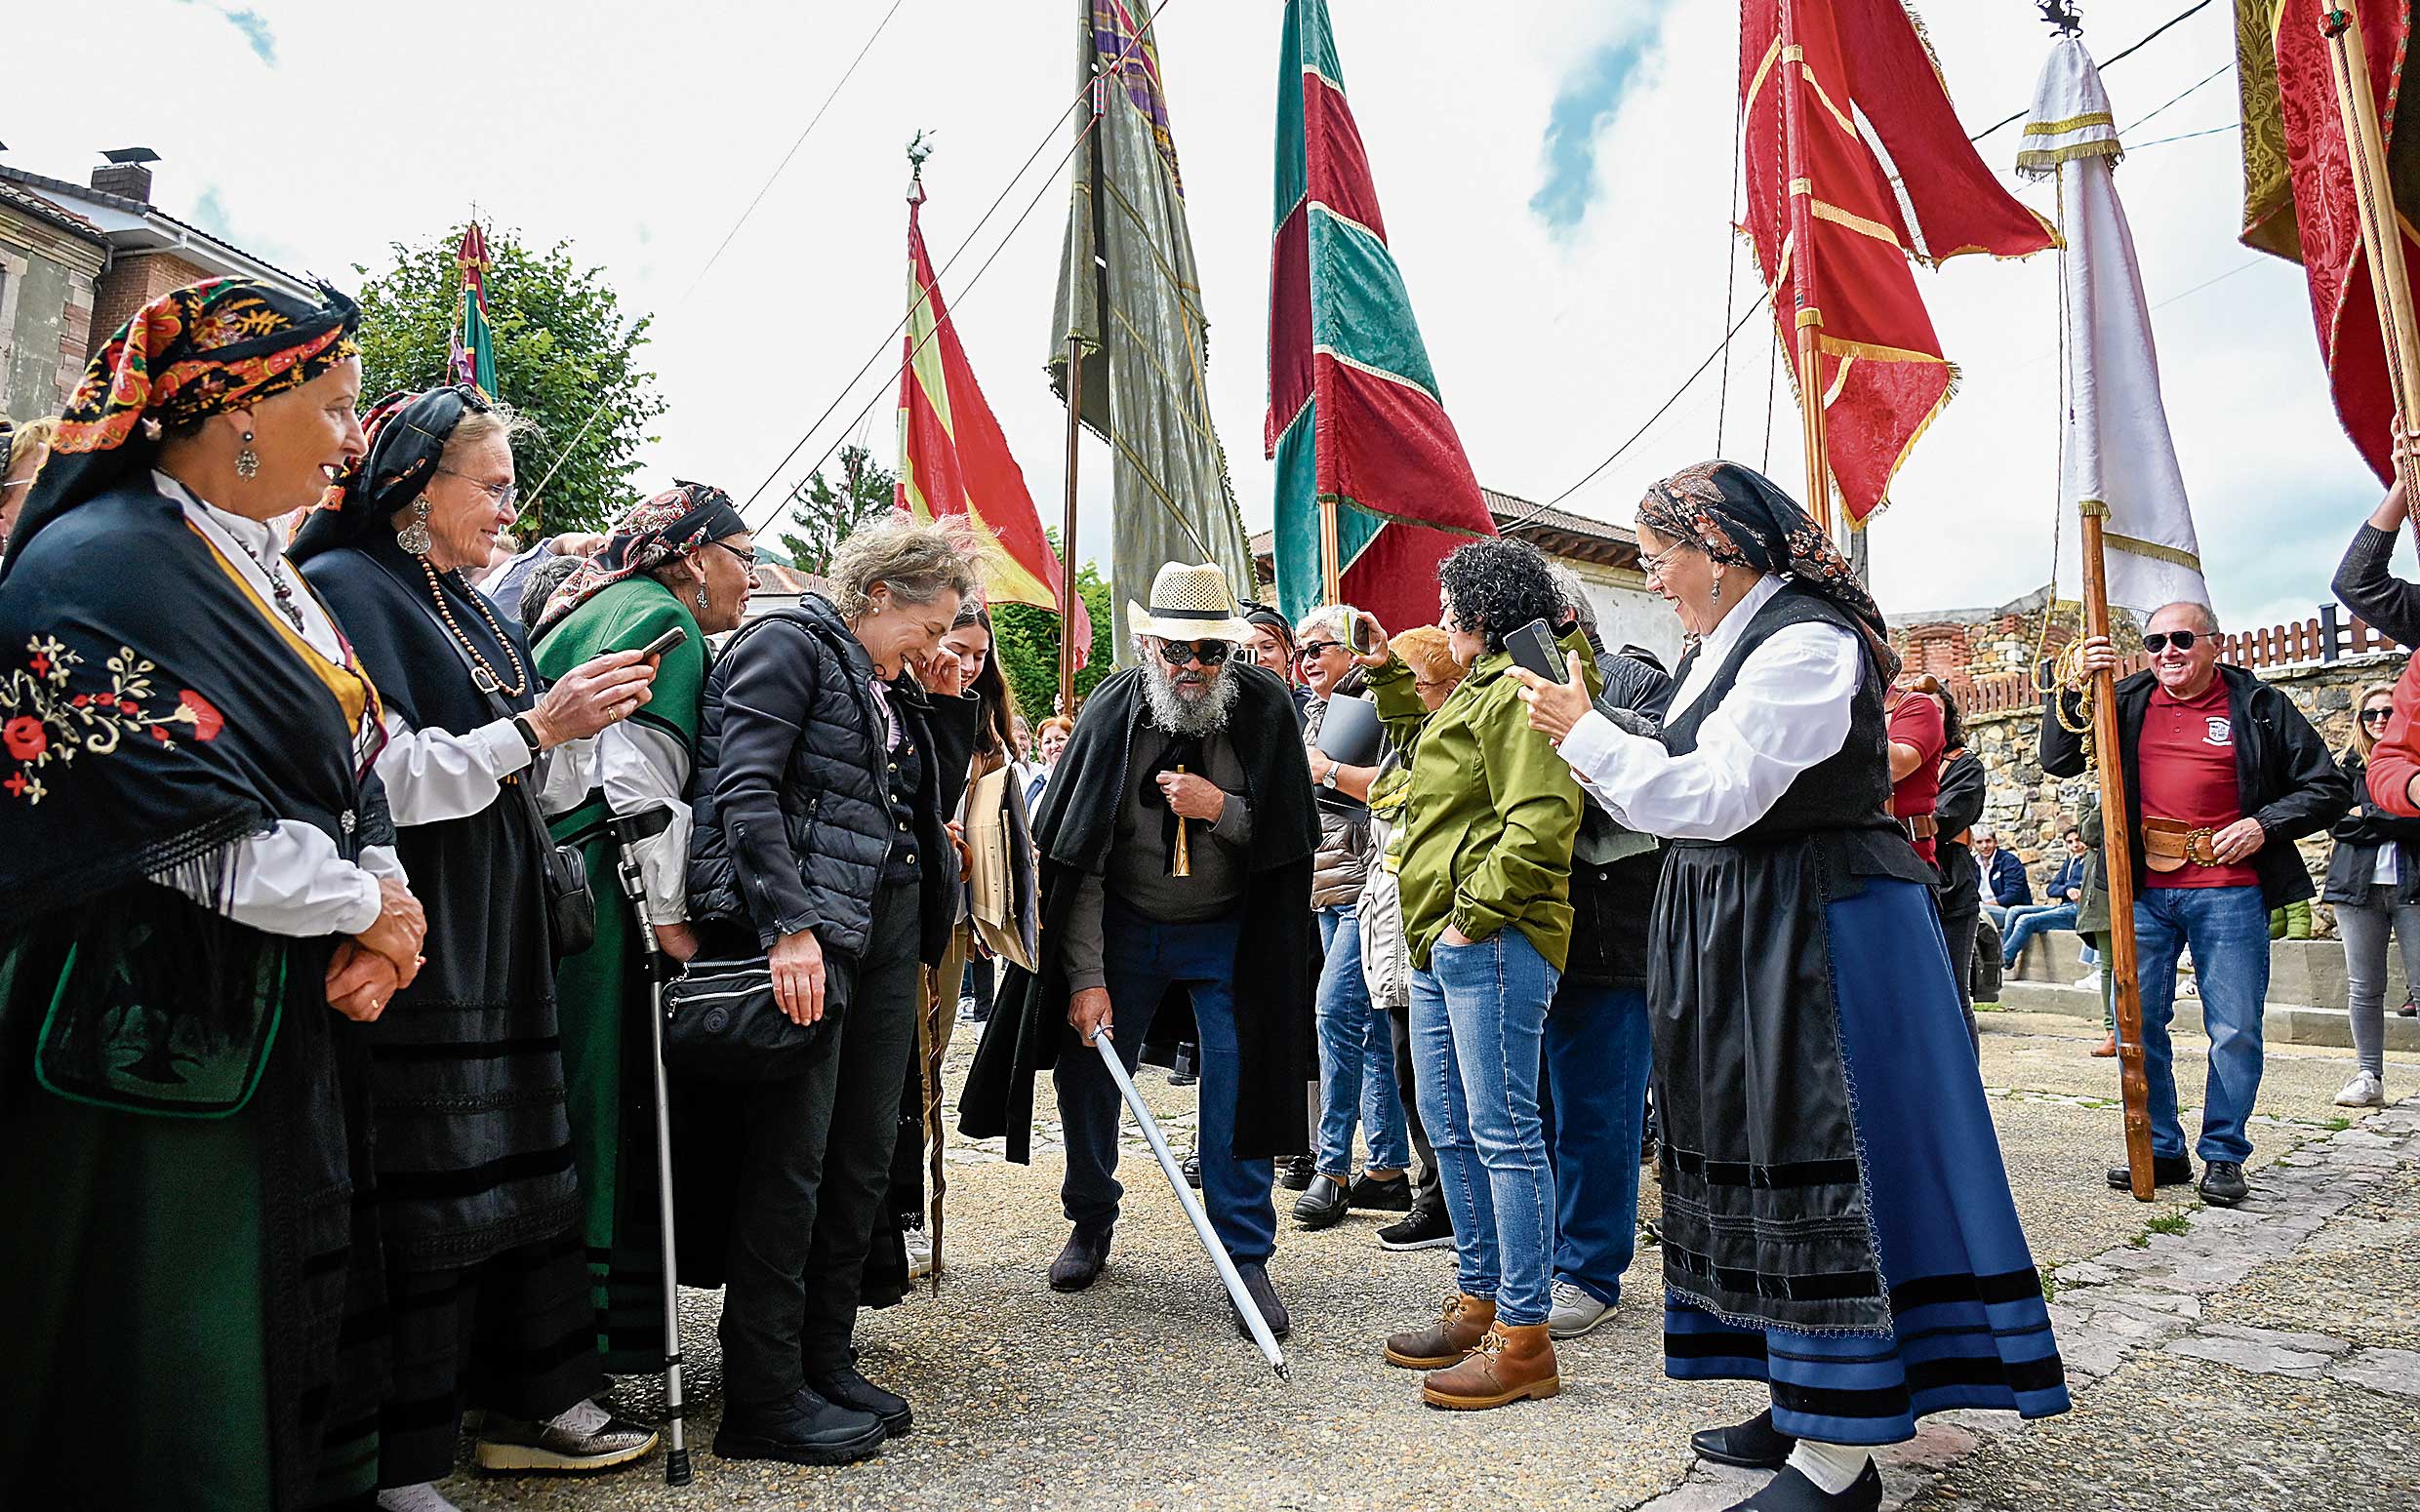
(1986, 832)
(2207, 616)
(920, 561)
(1171, 710)
(1335, 619)
(482, 425)
(1575, 596)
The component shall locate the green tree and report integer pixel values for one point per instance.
(1029, 645)
(824, 516)
(566, 356)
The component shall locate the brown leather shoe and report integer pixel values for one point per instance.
(1510, 1364)
(2106, 1050)
(1465, 1321)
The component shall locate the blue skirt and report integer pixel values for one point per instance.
(1969, 1328)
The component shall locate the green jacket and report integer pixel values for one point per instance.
(1485, 835)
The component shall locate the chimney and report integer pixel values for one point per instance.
(127, 174)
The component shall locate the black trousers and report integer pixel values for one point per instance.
(816, 1170)
(1428, 1186)
(1962, 910)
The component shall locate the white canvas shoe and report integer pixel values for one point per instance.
(2366, 1089)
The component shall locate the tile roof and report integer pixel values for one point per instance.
(19, 197)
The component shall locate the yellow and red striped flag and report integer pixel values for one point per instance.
(954, 459)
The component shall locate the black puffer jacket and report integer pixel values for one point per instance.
(791, 825)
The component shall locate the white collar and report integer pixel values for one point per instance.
(256, 536)
(1717, 643)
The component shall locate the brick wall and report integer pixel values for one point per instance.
(133, 283)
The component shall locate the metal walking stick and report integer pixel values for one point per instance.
(628, 834)
(1245, 1307)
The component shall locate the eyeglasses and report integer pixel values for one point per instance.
(2182, 640)
(748, 558)
(1653, 567)
(503, 494)
(1313, 649)
(1209, 654)
(2376, 716)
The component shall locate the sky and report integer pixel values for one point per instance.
(1555, 175)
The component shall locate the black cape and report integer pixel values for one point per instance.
(1273, 993)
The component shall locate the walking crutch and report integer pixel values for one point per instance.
(660, 967)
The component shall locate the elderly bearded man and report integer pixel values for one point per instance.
(1194, 742)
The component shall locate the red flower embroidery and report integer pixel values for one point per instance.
(206, 720)
(15, 785)
(41, 665)
(24, 738)
(159, 733)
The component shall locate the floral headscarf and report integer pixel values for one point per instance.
(1741, 517)
(675, 523)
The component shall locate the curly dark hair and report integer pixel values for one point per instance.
(1498, 586)
(1953, 724)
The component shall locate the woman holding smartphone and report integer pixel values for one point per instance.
(675, 569)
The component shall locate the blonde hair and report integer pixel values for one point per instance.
(1427, 651)
(2363, 742)
(31, 437)
(918, 560)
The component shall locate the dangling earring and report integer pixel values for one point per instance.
(414, 537)
(247, 460)
(1718, 588)
(702, 606)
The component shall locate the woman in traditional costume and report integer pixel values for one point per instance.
(684, 560)
(486, 1280)
(1836, 1219)
(198, 888)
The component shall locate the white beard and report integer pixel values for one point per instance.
(1179, 714)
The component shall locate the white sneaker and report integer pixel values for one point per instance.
(920, 1253)
(1575, 1312)
(2366, 1089)
(2090, 979)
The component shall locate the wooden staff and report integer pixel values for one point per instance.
(2116, 866)
(2382, 241)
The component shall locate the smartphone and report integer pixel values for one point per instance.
(1533, 647)
(663, 642)
(1358, 635)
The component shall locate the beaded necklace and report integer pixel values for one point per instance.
(482, 674)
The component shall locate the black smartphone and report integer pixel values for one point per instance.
(1533, 647)
(663, 642)
(1356, 635)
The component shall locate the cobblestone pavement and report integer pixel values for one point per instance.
(2265, 1358)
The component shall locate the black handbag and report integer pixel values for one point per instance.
(562, 871)
(721, 1022)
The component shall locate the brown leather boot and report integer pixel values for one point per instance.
(1465, 1321)
(1510, 1364)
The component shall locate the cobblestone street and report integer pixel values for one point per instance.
(2265, 1358)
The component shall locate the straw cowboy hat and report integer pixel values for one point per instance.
(1190, 602)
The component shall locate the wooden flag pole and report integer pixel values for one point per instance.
(2116, 867)
(1812, 400)
(2382, 241)
(1808, 359)
(1067, 532)
(1331, 575)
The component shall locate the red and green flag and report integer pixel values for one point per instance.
(474, 354)
(953, 459)
(1354, 414)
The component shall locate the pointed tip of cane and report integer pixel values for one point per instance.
(1283, 1374)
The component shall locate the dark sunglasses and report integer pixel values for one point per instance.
(2182, 640)
(1209, 654)
(1311, 648)
(2376, 716)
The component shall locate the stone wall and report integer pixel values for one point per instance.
(2031, 810)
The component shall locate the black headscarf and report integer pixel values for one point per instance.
(681, 519)
(1741, 517)
(193, 352)
(405, 435)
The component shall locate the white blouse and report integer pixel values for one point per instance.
(642, 768)
(288, 880)
(1788, 711)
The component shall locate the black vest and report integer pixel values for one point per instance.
(1844, 798)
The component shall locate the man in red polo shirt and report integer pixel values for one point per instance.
(1917, 738)
(2223, 773)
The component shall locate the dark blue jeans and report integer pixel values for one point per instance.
(1144, 958)
(1357, 1059)
(1596, 1055)
(2228, 929)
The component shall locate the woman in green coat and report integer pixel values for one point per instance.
(683, 560)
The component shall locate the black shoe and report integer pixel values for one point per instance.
(1792, 1491)
(1323, 1205)
(805, 1430)
(2222, 1183)
(1256, 1286)
(1193, 1171)
(2408, 1009)
(844, 1387)
(1188, 1069)
(1371, 1195)
(1425, 1227)
(1079, 1264)
(2165, 1170)
(1295, 1174)
(1755, 1445)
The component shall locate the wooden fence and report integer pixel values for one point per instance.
(2330, 637)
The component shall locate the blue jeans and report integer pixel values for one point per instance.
(1143, 960)
(2228, 929)
(1356, 1058)
(1596, 1053)
(2024, 923)
(1479, 1022)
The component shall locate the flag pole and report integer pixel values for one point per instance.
(2116, 865)
(2382, 242)
(1331, 575)
(1067, 532)
(1808, 358)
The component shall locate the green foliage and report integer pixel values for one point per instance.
(563, 347)
(1029, 645)
(822, 516)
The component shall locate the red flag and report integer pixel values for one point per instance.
(1822, 83)
(2299, 197)
(954, 459)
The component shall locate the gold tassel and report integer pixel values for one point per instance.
(1181, 863)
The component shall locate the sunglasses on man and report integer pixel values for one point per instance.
(1209, 654)
(2182, 640)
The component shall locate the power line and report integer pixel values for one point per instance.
(2196, 83)
(2186, 136)
(2010, 120)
